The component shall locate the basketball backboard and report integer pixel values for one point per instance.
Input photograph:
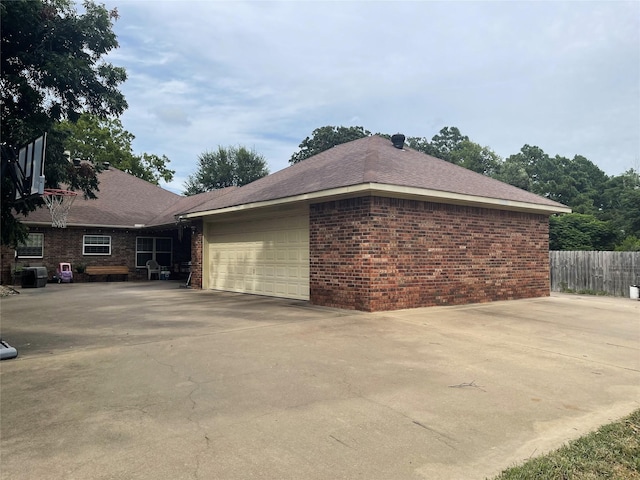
(29, 168)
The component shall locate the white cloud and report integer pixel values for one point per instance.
(560, 75)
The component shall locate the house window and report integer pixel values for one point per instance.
(33, 246)
(96, 245)
(153, 248)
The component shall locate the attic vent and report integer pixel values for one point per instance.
(398, 140)
(106, 165)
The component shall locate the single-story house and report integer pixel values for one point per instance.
(130, 222)
(365, 225)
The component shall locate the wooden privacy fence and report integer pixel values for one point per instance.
(610, 272)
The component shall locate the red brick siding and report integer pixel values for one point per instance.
(377, 254)
(196, 253)
(339, 270)
(6, 264)
(65, 245)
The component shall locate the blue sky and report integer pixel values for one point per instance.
(564, 76)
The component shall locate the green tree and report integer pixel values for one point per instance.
(631, 243)
(52, 67)
(446, 142)
(610, 205)
(522, 169)
(421, 144)
(473, 156)
(450, 145)
(100, 140)
(577, 231)
(621, 203)
(324, 138)
(226, 167)
(576, 182)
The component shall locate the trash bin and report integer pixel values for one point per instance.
(634, 292)
(28, 278)
(34, 277)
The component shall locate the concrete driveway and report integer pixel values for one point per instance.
(147, 380)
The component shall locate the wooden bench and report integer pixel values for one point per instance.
(108, 271)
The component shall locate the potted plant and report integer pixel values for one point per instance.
(16, 274)
(80, 268)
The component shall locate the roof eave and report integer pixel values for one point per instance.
(395, 191)
(88, 225)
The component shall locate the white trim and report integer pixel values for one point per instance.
(95, 225)
(25, 246)
(95, 245)
(394, 191)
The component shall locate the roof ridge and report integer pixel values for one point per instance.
(186, 203)
(372, 160)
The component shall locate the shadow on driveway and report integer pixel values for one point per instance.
(149, 380)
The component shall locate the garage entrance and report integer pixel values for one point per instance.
(264, 256)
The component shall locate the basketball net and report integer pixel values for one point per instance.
(59, 203)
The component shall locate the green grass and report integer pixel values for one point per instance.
(612, 452)
(584, 291)
(587, 291)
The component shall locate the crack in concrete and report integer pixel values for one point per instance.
(582, 359)
(340, 441)
(440, 436)
(190, 417)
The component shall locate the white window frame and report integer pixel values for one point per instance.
(85, 245)
(154, 250)
(30, 239)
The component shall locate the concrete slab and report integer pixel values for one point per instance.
(147, 380)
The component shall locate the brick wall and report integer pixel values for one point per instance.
(65, 245)
(196, 254)
(6, 264)
(339, 242)
(377, 254)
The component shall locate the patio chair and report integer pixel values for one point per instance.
(153, 267)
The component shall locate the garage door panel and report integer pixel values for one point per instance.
(266, 256)
(294, 255)
(281, 289)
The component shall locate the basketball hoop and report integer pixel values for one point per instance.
(59, 203)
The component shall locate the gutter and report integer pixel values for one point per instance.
(91, 225)
(394, 191)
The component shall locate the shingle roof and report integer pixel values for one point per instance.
(373, 160)
(123, 201)
(127, 201)
(183, 204)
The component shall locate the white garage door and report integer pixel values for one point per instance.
(261, 256)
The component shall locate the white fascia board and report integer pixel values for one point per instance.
(90, 225)
(471, 200)
(394, 191)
